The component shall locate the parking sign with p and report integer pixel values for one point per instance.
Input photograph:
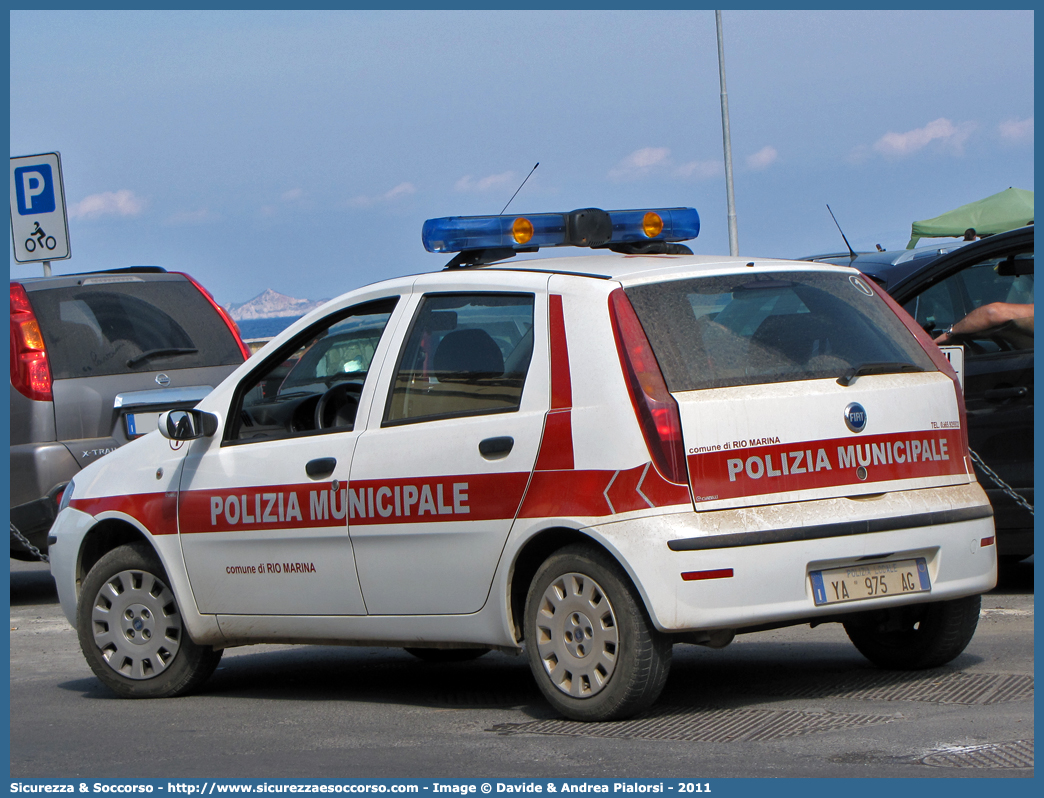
(39, 226)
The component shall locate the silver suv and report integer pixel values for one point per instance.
(95, 358)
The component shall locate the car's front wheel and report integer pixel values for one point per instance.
(591, 645)
(131, 631)
(917, 636)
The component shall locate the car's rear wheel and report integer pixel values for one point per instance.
(440, 655)
(917, 636)
(131, 630)
(591, 645)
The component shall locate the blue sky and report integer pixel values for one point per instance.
(302, 151)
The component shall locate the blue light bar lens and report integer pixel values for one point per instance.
(679, 224)
(462, 233)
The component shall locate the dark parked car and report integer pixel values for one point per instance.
(888, 267)
(998, 365)
(95, 358)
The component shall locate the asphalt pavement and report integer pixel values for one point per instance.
(795, 702)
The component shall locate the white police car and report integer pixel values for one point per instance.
(592, 458)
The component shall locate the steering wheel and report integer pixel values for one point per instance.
(337, 407)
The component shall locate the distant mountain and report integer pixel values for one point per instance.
(271, 304)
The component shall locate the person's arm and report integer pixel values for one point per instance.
(988, 317)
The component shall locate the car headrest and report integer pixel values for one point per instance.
(468, 354)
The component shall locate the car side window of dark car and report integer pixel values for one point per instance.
(466, 354)
(313, 382)
(997, 281)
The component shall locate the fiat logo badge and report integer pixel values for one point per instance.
(855, 417)
(164, 380)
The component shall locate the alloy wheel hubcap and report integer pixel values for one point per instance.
(577, 637)
(136, 624)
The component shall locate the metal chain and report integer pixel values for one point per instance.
(32, 549)
(1004, 486)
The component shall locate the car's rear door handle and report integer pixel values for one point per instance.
(1014, 392)
(495, 448)
(321, 467)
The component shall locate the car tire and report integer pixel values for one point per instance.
(918, 636)
(131, 630)
(447, 655)
(590, 643)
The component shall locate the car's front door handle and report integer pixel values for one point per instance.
(1014, 392)
(495, 448)
(321, 467)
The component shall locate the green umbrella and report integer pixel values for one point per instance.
(1005, 211)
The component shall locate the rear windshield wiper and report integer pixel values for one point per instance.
(876, 368)
(159, 353)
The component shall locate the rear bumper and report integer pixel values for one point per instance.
(33, 520)
(750, 568)
(1014, 522)
(37, 468)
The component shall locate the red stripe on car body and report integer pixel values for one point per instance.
(807, 465)
(157, 512)
(561, 382)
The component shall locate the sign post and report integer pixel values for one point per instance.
(39, 226)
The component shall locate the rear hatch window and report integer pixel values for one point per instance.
(799, 385)
(714, 332)
(131, 326)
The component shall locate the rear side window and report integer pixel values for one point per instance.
(714, 332)
(467, 354)
(125, 327)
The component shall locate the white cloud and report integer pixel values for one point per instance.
(471, 185)
(640, 163)
(762, 159)
(292, 194)
(657, 161)
(202, 216)
(700, 170)
(401, 190)
(109, 203)
(1016, 130)
(943, 132)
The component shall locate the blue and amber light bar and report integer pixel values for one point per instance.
(532, 231)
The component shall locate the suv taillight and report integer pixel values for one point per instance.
(30, 370)
(653, 404)
(232, 326)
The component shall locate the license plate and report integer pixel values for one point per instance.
(140, 423)
(874, 580)
(955, 354)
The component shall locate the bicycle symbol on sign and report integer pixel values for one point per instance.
(39, 238)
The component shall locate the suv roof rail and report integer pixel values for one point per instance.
(124, 270)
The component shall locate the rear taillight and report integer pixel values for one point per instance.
(941, 363)
(654, 406)
(232, 326)
(30, 370)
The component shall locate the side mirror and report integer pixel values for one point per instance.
(187, 425)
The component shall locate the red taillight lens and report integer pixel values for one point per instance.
(30, 370)
(653, 404)
(232, 326)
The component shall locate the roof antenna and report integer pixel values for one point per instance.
(519, 188)
(842, 232)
